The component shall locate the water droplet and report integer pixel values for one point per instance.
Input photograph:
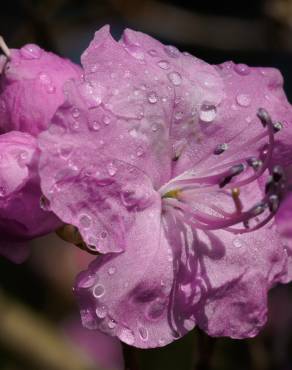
(93, 68)
(178, 115)
(65, 151)
(98, 291)
(106, 120)
(31, 51)
(103, 235)
(238, 243)
(101, 312)
(152, 52)
(75, 125)
(127, 336)
(172, 51)
(143, 333)
(112, 270)
(86, 281)
(156, 309)
(95, 126)
(152, 98)
(161, 341)
(85, 221)
(50, 89)
(242, 69)
(175, 78)
(154, 127)
(207, 113)
(2, 191)
(139, 151)
(243, 100)
(111, 168)
(189, 324)
(163, 64)
(75, 112)
(112, 324)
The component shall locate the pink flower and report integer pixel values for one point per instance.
(31, 88)
(160, 160)
(21, 217)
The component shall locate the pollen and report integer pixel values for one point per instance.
(172, 194)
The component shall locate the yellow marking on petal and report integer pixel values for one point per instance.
(172, 194)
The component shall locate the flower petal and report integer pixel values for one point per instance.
(31, 88)
(21, 217)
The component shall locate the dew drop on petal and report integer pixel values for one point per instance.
(112, 324)
(31, 51)
(106, 120)
(75, 113)
(111, 270)
(171, 51)
(101, 312)
(161, 341)
(154, 127)
(2, 191)
(127, 336)
(95, 126)
(238, 243)
(163, 64)
(178, 115)
(139, 151)
(152, 98)
(152, 52)
(207, 113)
(175, 78)
(189, 324)
(143, 333)
(85, 221)
(87, 281)
(111, 169)
(243, 100)
(155, 310)
(103, 235)
(242, 69)
(98, 291)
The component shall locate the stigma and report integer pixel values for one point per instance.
(185, 195)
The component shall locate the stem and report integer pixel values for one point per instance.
(4, 47)
(130, 357)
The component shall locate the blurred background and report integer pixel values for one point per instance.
(39, 323)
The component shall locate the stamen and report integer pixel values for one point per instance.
(277, 126)
(220, 148)
(4, 47)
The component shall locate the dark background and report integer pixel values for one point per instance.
(253, 32)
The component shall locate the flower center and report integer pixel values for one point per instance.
(194, 198)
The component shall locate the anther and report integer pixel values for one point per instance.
(273, 203)
(234, 171)
(258, 208)
(264, 117)
(277, 126)
(254, 163)
(220, 148)
(277, 173)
